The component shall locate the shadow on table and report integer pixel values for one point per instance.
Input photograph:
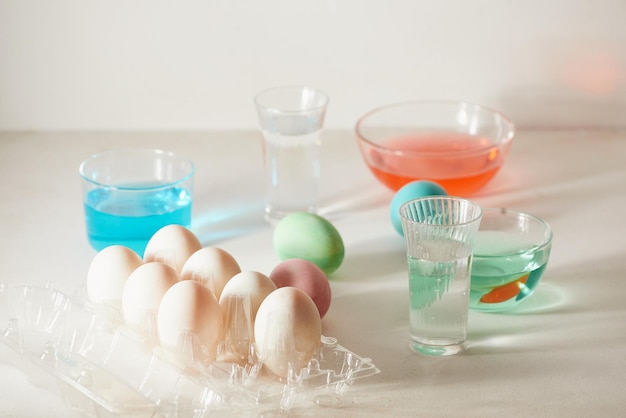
(573, 289)
(344, 204)
(371, 266)
(535, 342)
(565, 309)
(374, 324)
(215, 225)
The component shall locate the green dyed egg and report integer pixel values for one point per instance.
(311, 237)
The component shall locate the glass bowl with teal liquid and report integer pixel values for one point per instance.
(510, 255)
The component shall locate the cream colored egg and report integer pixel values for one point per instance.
(172, 245)
(108, 272)
(248, 284)
(211, 266)
(143, 292)
(287, 329)
(189, 308)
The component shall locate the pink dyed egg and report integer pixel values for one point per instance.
(306, 276)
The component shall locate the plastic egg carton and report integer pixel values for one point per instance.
(101, 368)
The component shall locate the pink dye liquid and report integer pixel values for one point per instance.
(474, 161)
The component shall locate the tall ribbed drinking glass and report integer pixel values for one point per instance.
(439, 232)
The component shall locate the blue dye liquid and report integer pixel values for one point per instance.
(129, 218)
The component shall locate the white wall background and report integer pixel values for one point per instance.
(196, 65)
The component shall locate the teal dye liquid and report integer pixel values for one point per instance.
(506, 279)
(130, 218)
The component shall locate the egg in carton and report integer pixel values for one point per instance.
(101, 367)
(172, 335)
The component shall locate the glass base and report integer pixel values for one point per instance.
(436, 350)
(273, 215)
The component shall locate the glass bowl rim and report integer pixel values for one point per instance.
(545, 243)
(450, 103)
(143, 152)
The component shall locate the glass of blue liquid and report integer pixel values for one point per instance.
(128, 195)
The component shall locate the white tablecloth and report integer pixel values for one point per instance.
(562, 353)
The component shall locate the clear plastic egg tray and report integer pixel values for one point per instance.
(103, 369)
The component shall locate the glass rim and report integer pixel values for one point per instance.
(190, 171)
(440, 103)
(547, 241)
(259, 104)
(440, 197)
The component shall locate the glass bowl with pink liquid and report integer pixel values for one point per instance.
(459, 145)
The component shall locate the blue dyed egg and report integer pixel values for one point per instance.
(408, 192)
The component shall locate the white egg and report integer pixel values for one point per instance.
(211, 266)
(143, 292)
(288, 330)
(248, 284)
(172, 245)
(189, 309)
(108, 272)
